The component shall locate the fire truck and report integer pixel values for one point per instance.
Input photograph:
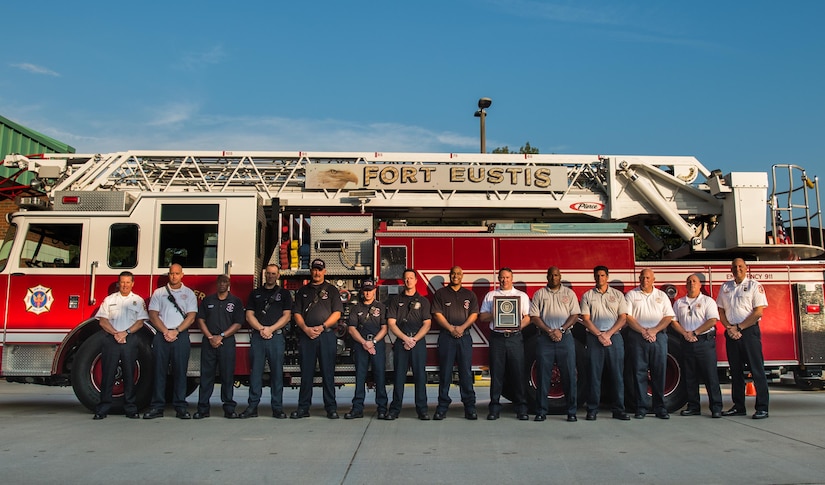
(371, 215)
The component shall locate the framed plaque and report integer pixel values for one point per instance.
(506, 312)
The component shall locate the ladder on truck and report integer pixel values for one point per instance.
(706, 209)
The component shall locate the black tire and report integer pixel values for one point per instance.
(675, 391)
(807, 383)
(86, 372)
(557, 400)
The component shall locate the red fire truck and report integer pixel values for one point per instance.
(371, 215)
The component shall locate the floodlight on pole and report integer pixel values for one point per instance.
(483, 104)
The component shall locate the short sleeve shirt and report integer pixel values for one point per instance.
(738, 301)
(487, 303)
(122, 311)
(604, 308)
(692, 313)
(169, 315)
(269, 304)
(368, 319)
(554, 307)
(317, 302)
(409, 311)
(649, 308)
(219, 314)
(456, 306)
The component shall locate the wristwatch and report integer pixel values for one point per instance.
(374, 342)
(222, 334)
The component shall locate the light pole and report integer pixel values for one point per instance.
(483, 104)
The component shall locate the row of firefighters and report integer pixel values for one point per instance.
(554, 309)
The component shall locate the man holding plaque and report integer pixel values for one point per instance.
(508, 311)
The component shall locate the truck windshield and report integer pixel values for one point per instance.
(6, 247)
(52, 246)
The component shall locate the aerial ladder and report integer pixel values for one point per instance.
(714, 214)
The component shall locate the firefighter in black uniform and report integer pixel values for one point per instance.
(317, 310)
(220, 317)
(368, 327)
(408, 317)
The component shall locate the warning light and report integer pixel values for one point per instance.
(813, 309)
(71, 199)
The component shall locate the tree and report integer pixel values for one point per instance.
(526, 148)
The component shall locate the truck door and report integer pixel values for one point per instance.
(49, 276)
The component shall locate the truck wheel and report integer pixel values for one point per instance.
(675, 392)
(807, 382)
(87, 372)
(557, 401)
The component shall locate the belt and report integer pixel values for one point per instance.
(707, 335)
(505, 334)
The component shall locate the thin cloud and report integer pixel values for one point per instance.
(173, 114)
(34, 68)
(194, 60)
(560, 12)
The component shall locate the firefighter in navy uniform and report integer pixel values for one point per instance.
(316, 311)
(268, 312)
(455, 309)
(220, 317)
(408, 317)
(368, 327)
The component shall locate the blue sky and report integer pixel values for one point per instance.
(738, 84)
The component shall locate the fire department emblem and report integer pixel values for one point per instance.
(375, 312)
(39, 299)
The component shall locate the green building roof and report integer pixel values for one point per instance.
(16, 138)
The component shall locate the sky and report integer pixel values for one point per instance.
(737, 84)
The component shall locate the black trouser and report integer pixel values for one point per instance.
(649, 356)
(177, 354)
(362, 364)
(613, 357)
(563, 354)
(402, 360)
(507, 360)
(112, 353)
(261, 350)
(220, 359)
(323, 350)
(747, 350)
(699, 361)
(457, 351)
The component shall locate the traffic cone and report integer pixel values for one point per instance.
(750, 389)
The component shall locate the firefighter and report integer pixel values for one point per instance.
(408, 317)
(741, 303)
(506, 346)
(120, 315)
(172, 310)
(604, 314)
(651, 314)
(455, 309)
(317, 310)
(554, 311)
(368, 327)
(696, 317)
(220, 317)
(268, 311)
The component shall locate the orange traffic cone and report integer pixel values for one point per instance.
(750, 389)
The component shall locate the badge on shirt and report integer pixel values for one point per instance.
(230, 307)
(466, 304)
(376, 312)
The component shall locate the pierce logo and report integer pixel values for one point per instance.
(587, 206)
